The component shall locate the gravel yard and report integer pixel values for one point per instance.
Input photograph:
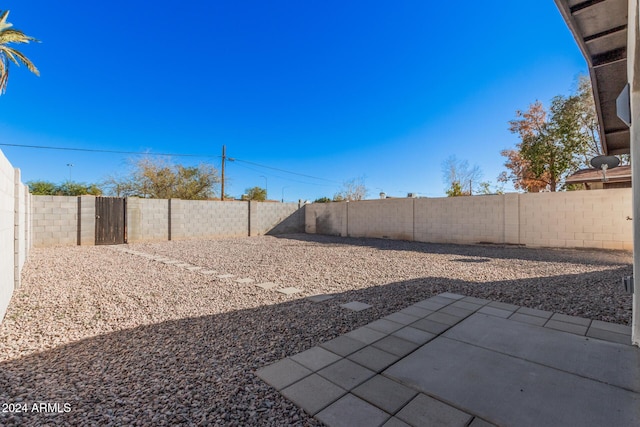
(123, 338)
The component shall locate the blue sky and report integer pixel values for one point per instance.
(329, 89)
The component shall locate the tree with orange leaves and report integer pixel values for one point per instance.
(553, 143)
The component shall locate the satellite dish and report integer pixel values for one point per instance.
(604, 163)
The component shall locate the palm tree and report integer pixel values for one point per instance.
(10, 35)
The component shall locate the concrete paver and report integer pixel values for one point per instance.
(609, 336)
(386, 326)
(373, 358)
(395, 345)
(430, 326)
(416, 311)
(444, 318)
(477, 422)
(566, 327)
(525, 318)
(350, 411)
(346, 374)
(456, 311)
(571, 319)
(267, 285)
(529, 394)
(384, 393)
(427, 411)
(611, 327)
(414, 335)
(493, 311)
(501, 365)
(451, 295)
(316, 358)
(475, 300)
(395, 422)
(559, 350)
(343, 345)
(534, 312)
(503, 306)
(366, 335)
(320, 298)
(402, 318)
(355, 306)
(432, 305)
(283, 373)
(313, 393)
(467, 305)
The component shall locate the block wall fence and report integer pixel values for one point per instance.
(15, 230)
(65, 221)
(577, 219)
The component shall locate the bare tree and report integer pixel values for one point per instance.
(352, 190)
(459, 177)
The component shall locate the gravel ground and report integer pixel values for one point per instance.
(124, 339)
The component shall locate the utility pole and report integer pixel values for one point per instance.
(223, 159)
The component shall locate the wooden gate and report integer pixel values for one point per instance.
(111, 220)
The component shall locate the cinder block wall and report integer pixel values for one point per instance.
(276, 218)
(326, 218)
(87, 220)
(60, 220)
(14, 230)
(388, 218)
(55, 220)
(460, 219)
(589, 219)
(204, 218)
(147, 219)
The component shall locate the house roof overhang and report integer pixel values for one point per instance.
(600, 29)
(619, 174)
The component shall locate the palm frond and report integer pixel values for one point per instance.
(3, 20)
(8, 54)
(4, 74)
(12, 53)
(15, 36)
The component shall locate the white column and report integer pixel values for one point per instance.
(633, 72)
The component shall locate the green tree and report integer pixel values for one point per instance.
(555, 142)
(157, 179)
(67, 188)
(9, 54)
(455, 190)
(322, 200)
(256, 193)
(70, 188)
(42, 188)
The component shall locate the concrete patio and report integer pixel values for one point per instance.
(453, 360)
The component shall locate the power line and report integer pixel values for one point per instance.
(96, 150)
(286, 179)
(285, 171)
(232, 159)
